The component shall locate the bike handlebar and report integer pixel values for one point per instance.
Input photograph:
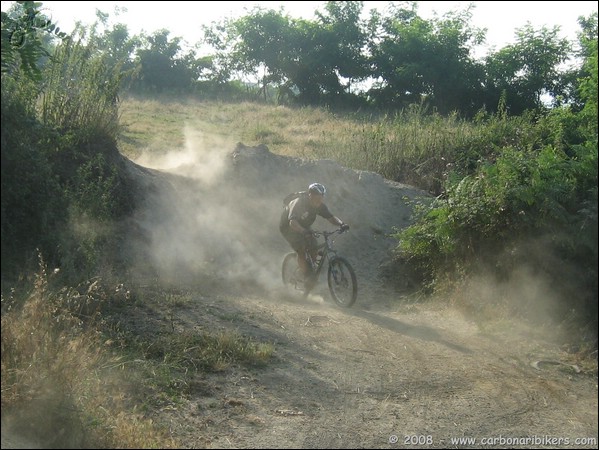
(329, 233)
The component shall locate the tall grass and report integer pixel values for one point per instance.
(80, 93)
(67, 366)
(56, 372)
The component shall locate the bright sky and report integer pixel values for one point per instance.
(183, 19)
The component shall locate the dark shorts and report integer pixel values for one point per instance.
(298, 241)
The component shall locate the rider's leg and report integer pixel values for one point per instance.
(311, 245)
(298, 243)
(303, 264)
(311, 249)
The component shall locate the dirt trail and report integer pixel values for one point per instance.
(363, 377)
(356, 378)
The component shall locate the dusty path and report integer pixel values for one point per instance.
(360, 378)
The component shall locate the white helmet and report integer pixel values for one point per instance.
(317, 188)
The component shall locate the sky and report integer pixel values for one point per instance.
(184, 19)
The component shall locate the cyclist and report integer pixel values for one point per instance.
(297, 218)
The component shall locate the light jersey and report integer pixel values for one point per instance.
(302, 210)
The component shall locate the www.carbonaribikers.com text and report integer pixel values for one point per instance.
(527, 440)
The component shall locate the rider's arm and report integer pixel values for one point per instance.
(336, 221)
(324, 212)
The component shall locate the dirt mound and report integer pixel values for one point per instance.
(228, 223)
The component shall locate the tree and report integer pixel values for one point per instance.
(159, 66)
(454, 78)
(588, 87)
(345, 42)
(311, 61)
(527, 70)
(416, 60)
(263, 46)
(587, 43)
(115, 42)
(396, 56)
(23, 29)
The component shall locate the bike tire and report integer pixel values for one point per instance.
(290, 271)
(343, 283)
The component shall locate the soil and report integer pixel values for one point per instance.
(422, 374)
(386, 373)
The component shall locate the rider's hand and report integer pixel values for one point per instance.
(344, 227)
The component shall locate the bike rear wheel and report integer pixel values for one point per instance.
(342, 282)
(291, 273)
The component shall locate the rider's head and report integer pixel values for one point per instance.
(316, 193)
(317, 188)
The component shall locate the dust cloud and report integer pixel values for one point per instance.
(216, 210)
(198, 159)
(529, 285)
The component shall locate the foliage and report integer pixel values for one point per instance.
(543, 184)
(588, 89)
(59, 155)
(98, 189)
(32, 203)
(528, 69)
(23, 29)
(303, 59)
(157, 66)
(419, 60)
(536, 182)
(80, 93)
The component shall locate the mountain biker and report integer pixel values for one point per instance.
(297, 218)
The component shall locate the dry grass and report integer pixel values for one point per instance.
(160, 126)
(412, 147)
(62, 369)
(57, 372)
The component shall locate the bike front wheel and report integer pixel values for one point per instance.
(342, 282)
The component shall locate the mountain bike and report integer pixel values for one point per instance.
(341, 277)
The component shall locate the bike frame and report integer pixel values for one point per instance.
(325, 247)
(341, 277)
